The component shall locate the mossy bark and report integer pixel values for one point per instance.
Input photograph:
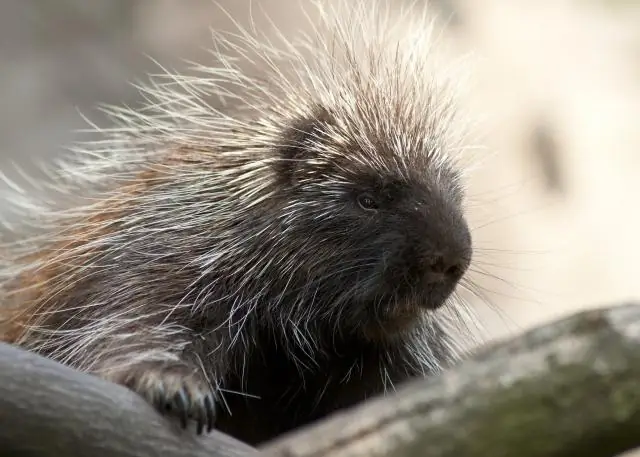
(570, 388)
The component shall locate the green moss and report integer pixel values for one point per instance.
(502, 422)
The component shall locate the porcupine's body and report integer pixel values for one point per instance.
(281, 260)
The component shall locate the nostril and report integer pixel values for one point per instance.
(446, 268)
(438, 265)
(453, 270)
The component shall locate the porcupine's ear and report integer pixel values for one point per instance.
(300, 143)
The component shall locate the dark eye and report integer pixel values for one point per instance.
(367, 202)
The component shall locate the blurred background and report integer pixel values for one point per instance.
(557, 84)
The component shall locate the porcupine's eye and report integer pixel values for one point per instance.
(367, 202)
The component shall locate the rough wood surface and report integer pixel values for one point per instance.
(47, 410)
(570, 388)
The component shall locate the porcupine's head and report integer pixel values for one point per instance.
(371, 231)
(376, 214)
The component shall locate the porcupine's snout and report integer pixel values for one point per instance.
(446, 256)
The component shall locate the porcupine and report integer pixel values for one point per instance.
(259, 268)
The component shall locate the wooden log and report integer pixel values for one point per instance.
(569, 388)
(47, 410)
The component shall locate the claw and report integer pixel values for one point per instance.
(178, 394)
(182, 407)
(210, 409)
(159, 398)
(200, 425)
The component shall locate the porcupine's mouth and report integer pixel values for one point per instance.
(392, 324)
(392, 320)
(401, 316)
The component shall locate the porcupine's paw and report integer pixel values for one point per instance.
(176, 391)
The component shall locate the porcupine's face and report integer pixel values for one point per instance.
(383, 243)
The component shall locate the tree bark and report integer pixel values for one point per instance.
(569, 388)
(47, 410)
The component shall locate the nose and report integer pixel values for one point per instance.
(449, 258)
(447, 267)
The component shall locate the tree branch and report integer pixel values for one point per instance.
(47, 409)
(568, 388)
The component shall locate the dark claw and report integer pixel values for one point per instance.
(206, 414)
(181, 402)
(210, 408)
(200, 422)
(184, 398)
(159, 399)
(199, 417)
